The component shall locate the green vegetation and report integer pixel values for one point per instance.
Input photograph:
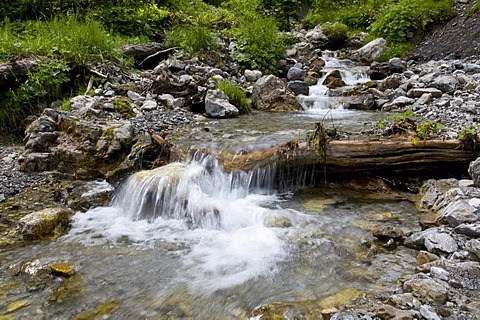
(236, 96)
(407, 123)
(77, 34)
(43, 86)
(468, 137)
(259, 44)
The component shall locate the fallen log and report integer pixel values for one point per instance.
(358, 156)
(14, 72)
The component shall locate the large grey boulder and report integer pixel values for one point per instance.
(270, 93)
(446, 84)
(218, 106)
(371, 51)
(474, 172)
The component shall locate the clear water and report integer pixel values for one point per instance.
(191, 241)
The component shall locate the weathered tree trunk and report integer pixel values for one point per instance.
(356, 156)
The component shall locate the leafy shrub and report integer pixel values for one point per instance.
(259, 44)
(146, 20)
(399, 22)
(192, 38)
(394, 50)
(44, 85)
(284, 11)
(357, 17)
(336, 31)
(236, 96)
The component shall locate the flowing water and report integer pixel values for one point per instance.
(192, 241)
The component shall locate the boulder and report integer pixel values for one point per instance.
(386, 311)
(218, 106)
(333, 80)
(295, 73)
(469, 229)
(474, 172)
(371, 51)
(427, 290)
(43, 223)
(252, 75)
(299, 87)
(316, 37)
(446, 84)
(361, 102)
(460, 211)
(418, 92)
(473, 246)
(440, 242)
(270, 93)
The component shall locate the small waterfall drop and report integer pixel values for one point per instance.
(320, 99)
(225, 222)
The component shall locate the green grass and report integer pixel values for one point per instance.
(236, 96)
(78, 42)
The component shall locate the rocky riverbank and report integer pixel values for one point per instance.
(125, 125)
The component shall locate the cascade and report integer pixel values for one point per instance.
(320, 99)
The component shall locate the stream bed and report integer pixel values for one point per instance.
(192, 241)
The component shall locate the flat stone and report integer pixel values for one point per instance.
(418, 92)
(429, 313)
(63, 268)
(440, 242)
(469, 229)
(427, 290)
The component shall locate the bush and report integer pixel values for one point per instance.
(236, 96)
(146, 20)
(357, 17)
(399, 22)
(192, 38)
(394, 50)
(45, 85)
(259, 44)
(336, 32)
(78, 42)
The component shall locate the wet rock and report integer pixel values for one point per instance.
(37, 273)
(379, 71)
(17, 305)
(63, 269)
(295, 73)
(371, 51)
(44, 222)
(361, 102)
(299, 87)
(427, 290)
(333, 80)
(271, 94)
(218, 106)
(387, 232)
(391, 82)
(89, 195)
(278, 222)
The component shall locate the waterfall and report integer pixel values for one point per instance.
(199, 192)
(320, 99)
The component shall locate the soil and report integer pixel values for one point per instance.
(456, 38)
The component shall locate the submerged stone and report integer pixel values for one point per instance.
(14, 306)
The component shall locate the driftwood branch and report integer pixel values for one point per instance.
(156, 54)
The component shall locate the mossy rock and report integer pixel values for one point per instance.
(46, 222)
